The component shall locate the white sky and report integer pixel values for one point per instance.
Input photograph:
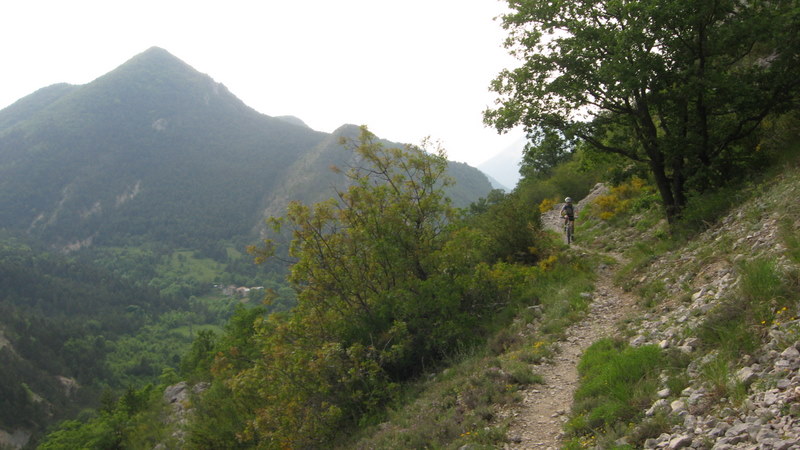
(407, 69)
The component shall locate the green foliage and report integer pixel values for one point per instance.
(510, 230)
(66, 317)
(719, 376)
(219, 419)
(633, 195)
(222, 414)
(546, 150)
(735, 327)
(199, 358)
(385, 286)
(134, 421)
(790, 237)
(453, 409)
(511, 223)
(617, 381)
(680, 86)
(702, 211)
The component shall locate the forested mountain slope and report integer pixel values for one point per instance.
(156, 151)
(152, 179)
(59, 321)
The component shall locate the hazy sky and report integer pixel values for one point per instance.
(407, 69)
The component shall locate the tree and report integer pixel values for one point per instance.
(546, 150)
(674, 84)
(382, 290)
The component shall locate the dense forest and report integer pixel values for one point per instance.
(93, 328)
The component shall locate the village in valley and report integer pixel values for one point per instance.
(244, 292)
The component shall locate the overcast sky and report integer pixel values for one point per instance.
(407, 69)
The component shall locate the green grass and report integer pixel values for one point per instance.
(652, 293)
(736, 326)
(718, 374)
(617, 383)
(449, 410)
(186, 266)
(729, 329)
(640, 255)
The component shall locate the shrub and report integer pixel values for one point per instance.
(702, 211)
(622, 198)
(547, 204)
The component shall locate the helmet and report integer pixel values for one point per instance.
(568, 199)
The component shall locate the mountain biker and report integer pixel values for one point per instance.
(568, 212)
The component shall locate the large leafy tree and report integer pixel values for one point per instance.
(674, 84)
(543, 153)
(383, 288)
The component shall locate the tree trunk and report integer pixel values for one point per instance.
(664, 184)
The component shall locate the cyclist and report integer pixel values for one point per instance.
(568, 213)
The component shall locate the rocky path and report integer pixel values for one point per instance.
(538, 422)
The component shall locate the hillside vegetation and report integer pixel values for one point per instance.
(126, 206)
(417, 324)
(706, 318)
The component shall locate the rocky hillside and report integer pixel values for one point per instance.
(725, 305)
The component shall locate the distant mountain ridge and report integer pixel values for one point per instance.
(503, 168)
(155, 150)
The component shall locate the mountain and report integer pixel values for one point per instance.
(293, 120)
(156, 151)
(161, 176)
(503, 168)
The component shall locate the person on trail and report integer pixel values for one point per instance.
(568, 212)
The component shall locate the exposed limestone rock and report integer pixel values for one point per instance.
(15, 439)
(768, 417)
(70, 385)
(179, 396)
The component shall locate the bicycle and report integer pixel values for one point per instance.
(569, 231)
(568, 213)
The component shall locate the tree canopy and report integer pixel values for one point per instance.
(678, 85)
(383, 289)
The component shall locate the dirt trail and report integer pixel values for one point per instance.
(538, 422)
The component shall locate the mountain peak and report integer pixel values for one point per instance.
(156, 57)
(155, 53)
(347, 130)
(156, 50)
